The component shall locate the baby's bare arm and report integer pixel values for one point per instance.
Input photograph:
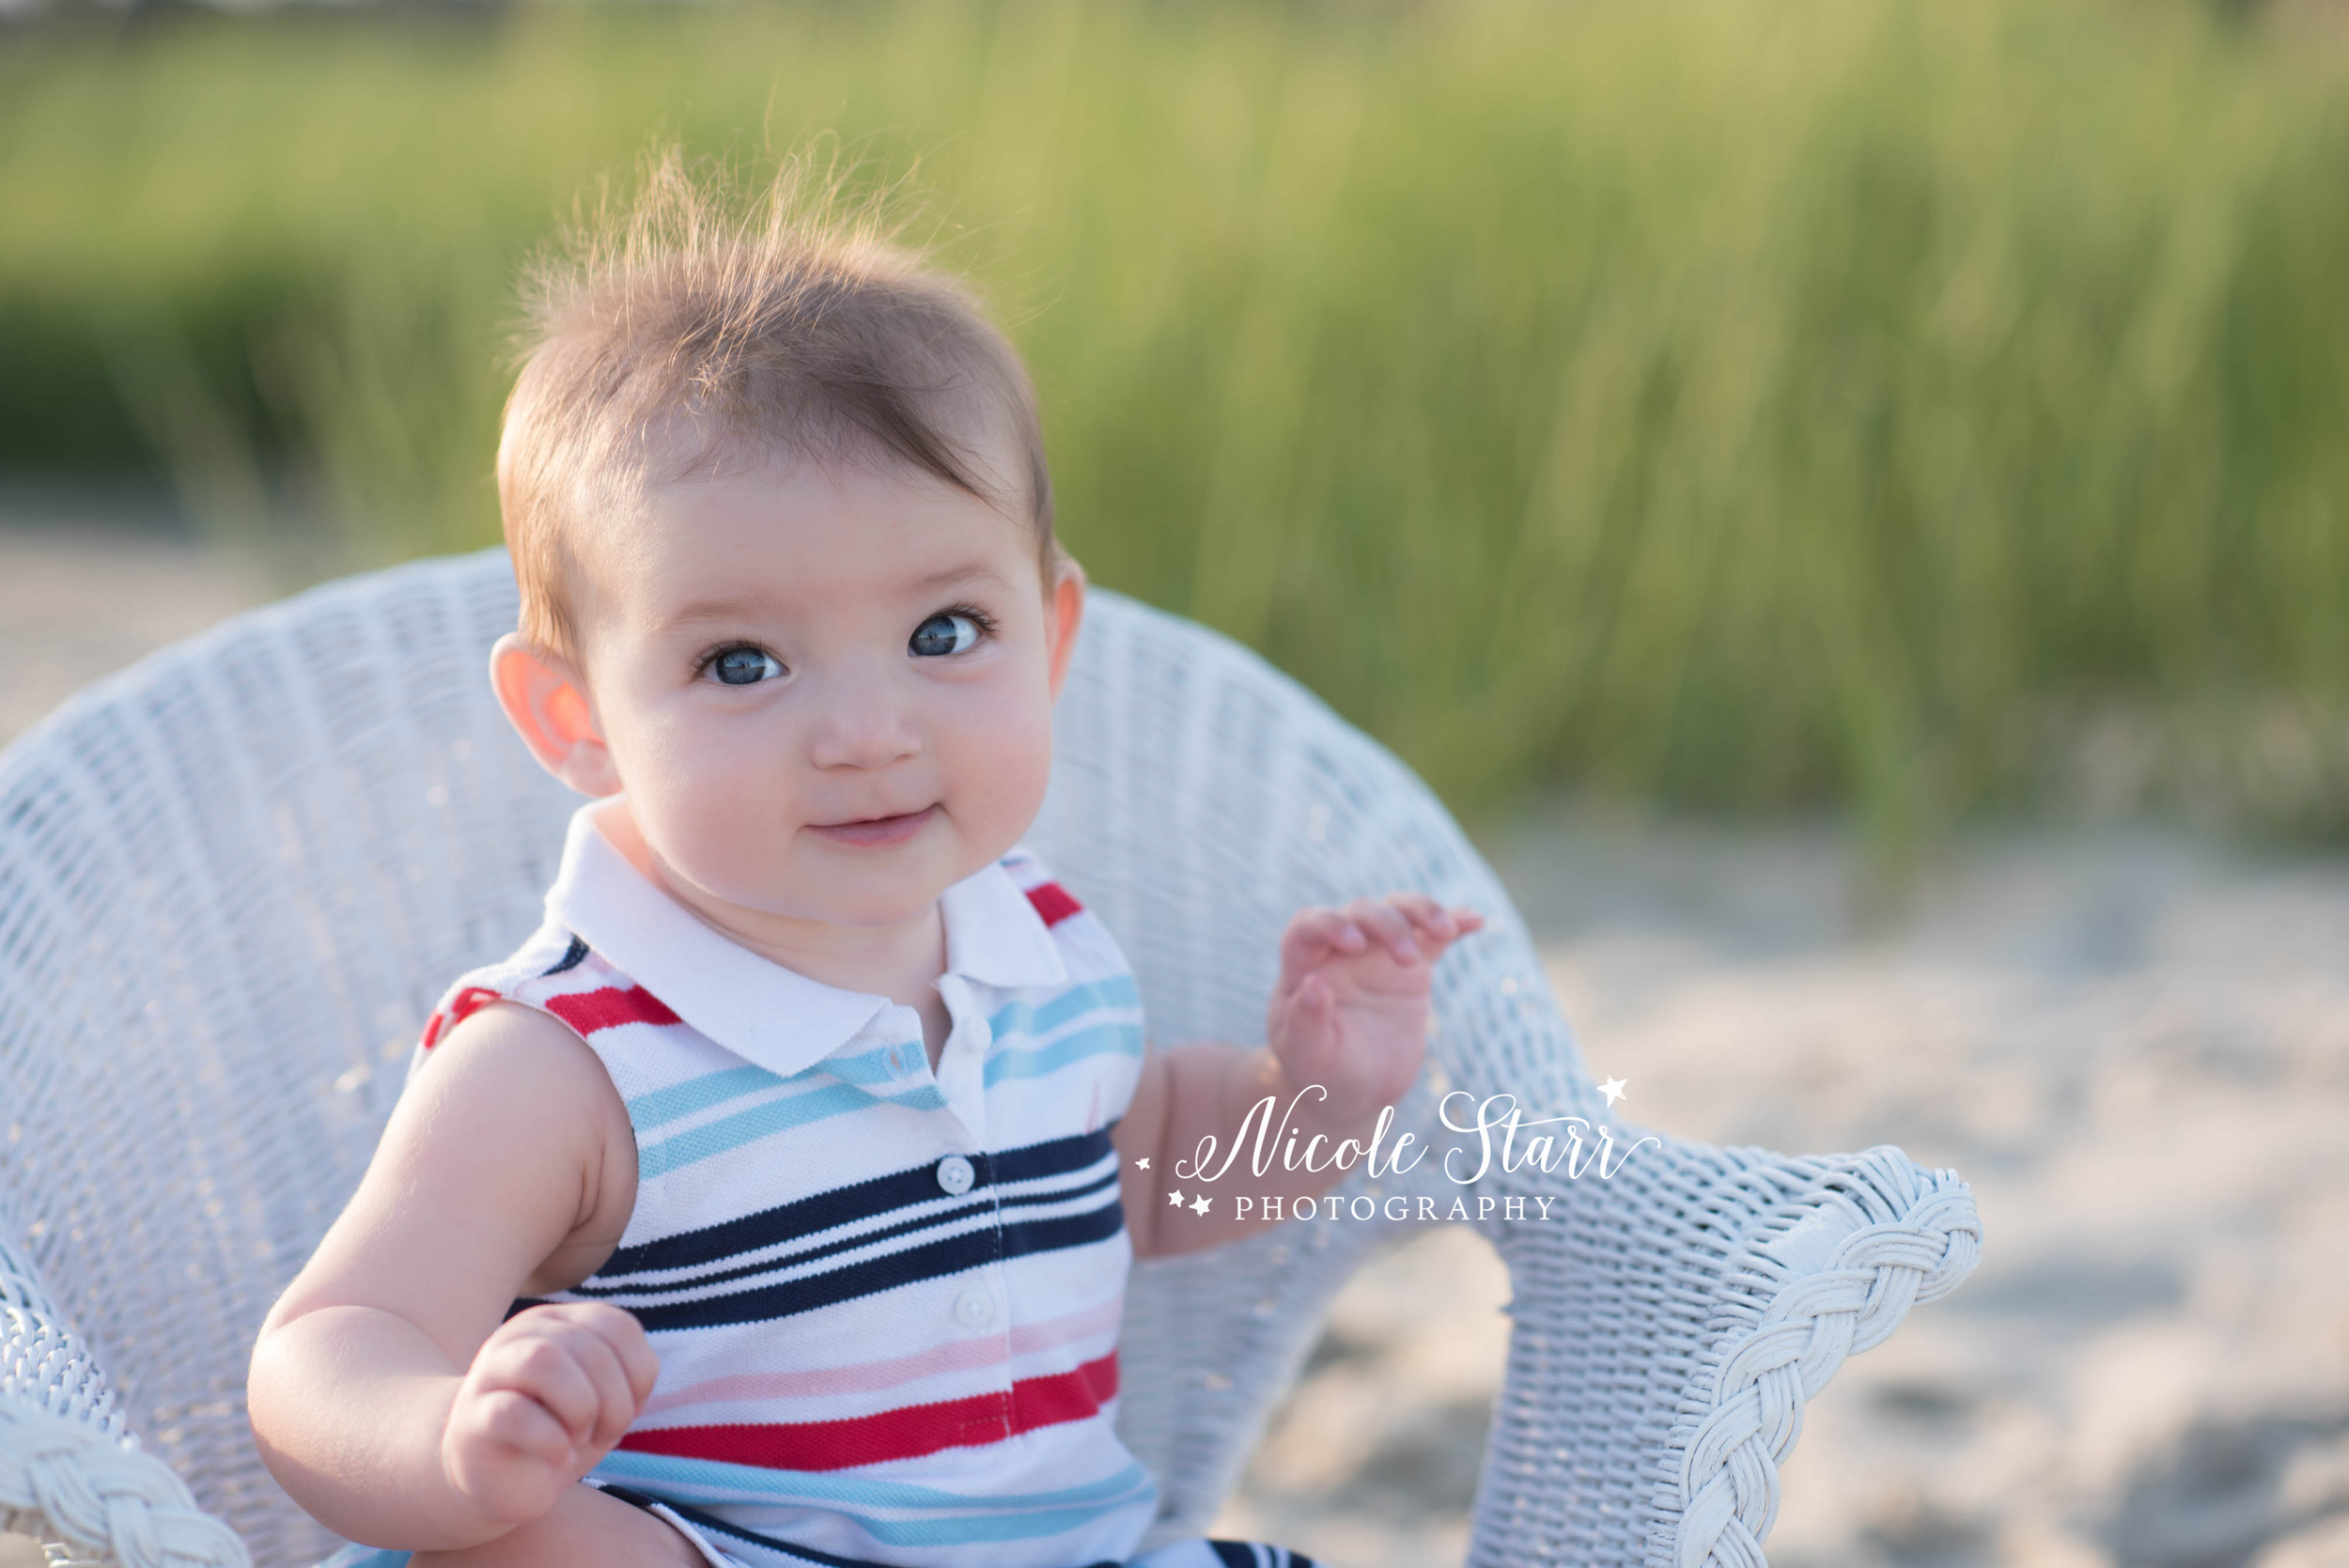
(387, 1396)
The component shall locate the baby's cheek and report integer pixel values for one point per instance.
(711, 809)
(1002, 769)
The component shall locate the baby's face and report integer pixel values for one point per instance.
(827, 692)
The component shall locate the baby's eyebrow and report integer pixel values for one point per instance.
(716, 609)
(750, 607)
(975, 572)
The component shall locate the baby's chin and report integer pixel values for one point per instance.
(727, 897)
(858, 914)
(875, 899)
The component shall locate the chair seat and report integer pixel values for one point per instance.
(234, 878)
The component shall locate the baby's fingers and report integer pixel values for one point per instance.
(1410, 926)
(1427, 918)
(551, 1372)
(616, 1401)
(509, 1419)
(1315, 933)
(639, 1362)
(1386, 925)
(1442, 925)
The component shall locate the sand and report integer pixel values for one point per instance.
(2135, 1044)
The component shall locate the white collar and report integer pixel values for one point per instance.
(754, 1006)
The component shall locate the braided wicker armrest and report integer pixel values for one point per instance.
(1727, 1284)
(71, 1475)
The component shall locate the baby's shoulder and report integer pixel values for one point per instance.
(549, 975)
(530, 1057)
(518, 1103)
(1086, 946)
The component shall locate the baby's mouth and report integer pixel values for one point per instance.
(876, 832)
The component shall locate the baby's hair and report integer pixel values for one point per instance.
(691, 329)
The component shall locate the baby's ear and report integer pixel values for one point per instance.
(546, 700)
(1063, 614)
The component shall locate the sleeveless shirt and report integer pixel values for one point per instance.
(885, 1300)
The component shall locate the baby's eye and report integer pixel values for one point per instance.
(944, 632)
(744, 666)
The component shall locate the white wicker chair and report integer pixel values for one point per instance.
(234, 877)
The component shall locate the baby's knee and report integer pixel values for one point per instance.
(586, 1529)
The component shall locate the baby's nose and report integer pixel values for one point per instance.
(862, 726)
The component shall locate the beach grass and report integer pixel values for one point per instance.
(1915, 410)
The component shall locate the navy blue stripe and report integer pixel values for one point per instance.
(1053, 1157)
(572, 957)
(947, 1255)
(1075, 1230)
(845, 1244)
(1234, 1554)
(847, 1205)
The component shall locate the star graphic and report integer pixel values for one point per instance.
(1612, 1089)
(1143, 1164)
(1199, 1207)
(1176, 1199)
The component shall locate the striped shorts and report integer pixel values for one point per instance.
(725, 1549)
(1178, 1554)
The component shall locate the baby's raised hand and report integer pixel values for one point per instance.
(1350, 1010)
(548, 1395)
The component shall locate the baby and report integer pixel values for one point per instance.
(774, 1203)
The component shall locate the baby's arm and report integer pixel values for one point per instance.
(386, 1395)
(1350, 1013)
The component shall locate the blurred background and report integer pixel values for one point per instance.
(1849, 499)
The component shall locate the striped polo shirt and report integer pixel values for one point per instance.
(885, 1300)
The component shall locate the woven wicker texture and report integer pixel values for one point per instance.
(234, 878)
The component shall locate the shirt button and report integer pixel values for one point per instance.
(974, 1308)
(954, 1175)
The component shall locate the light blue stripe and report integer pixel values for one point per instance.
(1071, 1005)
(663, 1106)
(989, 1527)
(759, 1121)
(1123, 1038)
(868, 1067)
(367, 1556)
(712, 1481)
(920, 1095)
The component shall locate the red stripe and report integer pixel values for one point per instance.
(588, 1011)
(472, 999)
(903, 1433)
(1052, 902)
(1070, 1396)
(463, 1005)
